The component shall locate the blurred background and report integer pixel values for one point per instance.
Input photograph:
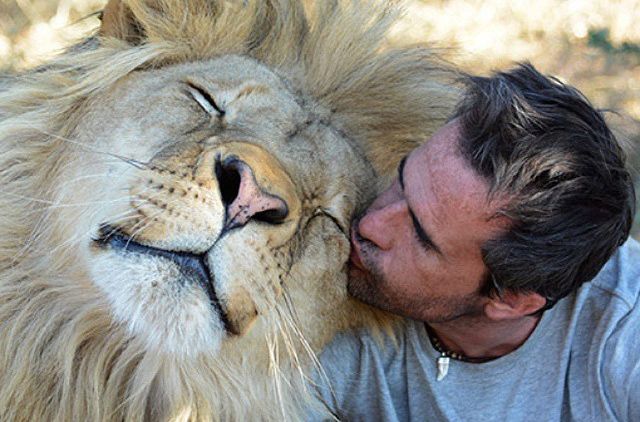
(593, 44)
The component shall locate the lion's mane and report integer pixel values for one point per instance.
(62, 356)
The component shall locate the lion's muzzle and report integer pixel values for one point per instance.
(206, 237)
(193, 267)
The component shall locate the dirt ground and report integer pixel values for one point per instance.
(593, 44)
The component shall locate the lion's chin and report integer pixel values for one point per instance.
(168, 308)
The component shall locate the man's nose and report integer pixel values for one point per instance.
(382, 224)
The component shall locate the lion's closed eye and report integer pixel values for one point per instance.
(204, 99)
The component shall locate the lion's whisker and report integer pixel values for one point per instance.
(145, 222)
(82, 236)
(307, 347)
(137, 164)
(274, 359)
(56, 204)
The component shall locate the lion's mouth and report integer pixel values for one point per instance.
(192, 266)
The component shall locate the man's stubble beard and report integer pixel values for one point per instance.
(372, 288)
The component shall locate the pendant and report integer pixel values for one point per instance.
(443, 367)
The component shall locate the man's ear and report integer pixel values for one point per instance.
(513, 305)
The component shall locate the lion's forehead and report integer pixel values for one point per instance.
(242, 87)
(149, 110)
(146, 115)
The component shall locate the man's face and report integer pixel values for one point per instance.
(416, 250)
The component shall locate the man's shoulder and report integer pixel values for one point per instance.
(613, 299)
(606, 311)
(620, 277)
(607, 333)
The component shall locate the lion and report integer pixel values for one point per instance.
(177, 195)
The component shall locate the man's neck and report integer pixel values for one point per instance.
(480, 338)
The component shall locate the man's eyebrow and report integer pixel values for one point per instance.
(424, 238)
(401, 170)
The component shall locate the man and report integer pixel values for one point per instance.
(504, 242)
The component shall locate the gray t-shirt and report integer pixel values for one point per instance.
(581, 363)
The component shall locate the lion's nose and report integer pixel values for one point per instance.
(244, 199)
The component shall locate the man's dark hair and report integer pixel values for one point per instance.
(548, 153)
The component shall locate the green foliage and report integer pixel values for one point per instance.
(600, 39)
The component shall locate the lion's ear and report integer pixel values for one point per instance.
(118, 21)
